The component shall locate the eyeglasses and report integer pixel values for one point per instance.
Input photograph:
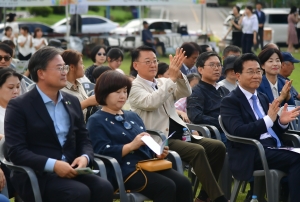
(104, 54)
(252, 73)
(148, 62)
(213, 65)
(63, 68)
(126, 124)
(6, 58)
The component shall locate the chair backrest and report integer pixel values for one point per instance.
(21, 66)
(31, 86)
(200, 128)
(27, 80)
(88, 87)
(297, 102)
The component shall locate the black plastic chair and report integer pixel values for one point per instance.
(27, 80)
(134, 196)
(88, 87)
(98, 164)
(272, 176)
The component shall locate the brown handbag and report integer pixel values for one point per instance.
(150, 165)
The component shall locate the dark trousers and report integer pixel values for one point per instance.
(237, 38)
(247, 43)
(22, 57)
(83, 188)
(162, 186)
(206, 156)
(285, 161)
(260, 38)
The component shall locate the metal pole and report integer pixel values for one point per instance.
(67, 26)
(4, 16)
(202, 15)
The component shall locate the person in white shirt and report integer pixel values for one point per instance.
(38, 40)
(114, 59)
(7, 34)
(249, 25)
(24, 44)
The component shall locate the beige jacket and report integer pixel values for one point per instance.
(155, 107)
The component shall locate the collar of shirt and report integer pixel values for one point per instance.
(71, 86)
(45, 98)
(247, 93)
(188, 70)
(217, 86)
(273, 86)
(150, 83)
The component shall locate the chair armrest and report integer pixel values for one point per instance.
(215, 130)
(118, 174)
(295, 139)
(176, 161)
(293, 132)
(254, 142)
(157, 133)
(32, 178)
(201, 128)
(99, 164)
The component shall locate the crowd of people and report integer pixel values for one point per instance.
(248, 28)
(56, 127)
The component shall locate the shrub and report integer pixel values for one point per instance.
(40, 11)
(59, 9)
(94, 8)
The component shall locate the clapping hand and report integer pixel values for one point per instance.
(273, 109)
(176, 64)
(164, 154)
(285, 92)
(288, 116)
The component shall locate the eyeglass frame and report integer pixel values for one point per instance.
(155, 62)
(123, 121)
(101, 54)
(62, 68)
(214, 65)
(252, 73)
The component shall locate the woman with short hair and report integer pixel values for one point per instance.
(117, 133)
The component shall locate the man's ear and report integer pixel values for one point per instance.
(200, 69)
(135, 66)
(238, 75)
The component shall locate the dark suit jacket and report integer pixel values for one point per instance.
(266, 89)
(262, 18)
(31, 138)
(184, 71)
(239, 120)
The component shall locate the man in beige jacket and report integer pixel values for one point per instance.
(153, 100)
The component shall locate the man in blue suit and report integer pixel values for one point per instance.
(247, 113)
(261, 21)
(45, 130)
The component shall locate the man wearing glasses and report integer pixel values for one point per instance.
(153, 100)
(248, 113)
(203, 106)
(45, 130)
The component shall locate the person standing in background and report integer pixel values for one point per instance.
(292, 34)
(261, 21)
(7, 34)
(11, 21)
(24, 44)
(249, 24)
(38, 41)
(235, 28)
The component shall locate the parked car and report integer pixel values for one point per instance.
(135, 26)
(212, 3)
(90, 24)
(276, 19)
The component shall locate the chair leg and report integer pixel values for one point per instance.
(259, 188)
(244, 185)
(235, 191)
(196, 185)
(225, 179)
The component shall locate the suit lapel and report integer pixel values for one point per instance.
(68, 106)
(263, 102)
(39, 106)
(267, 90)
(245, 103)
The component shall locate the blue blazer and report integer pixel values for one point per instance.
(239, 120)
(184, 71)
(108, 137)
(31, 138)
(262, 18)
(266, 89)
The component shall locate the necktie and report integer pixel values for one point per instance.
(257, 111)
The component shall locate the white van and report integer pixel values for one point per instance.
(276, 19)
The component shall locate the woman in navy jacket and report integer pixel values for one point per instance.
(271, 85)
(117, 133)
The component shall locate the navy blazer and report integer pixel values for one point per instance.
(266, 89)
(31, 139)
(108, 137)
(239, 120)
(184, 71)
(262, 18)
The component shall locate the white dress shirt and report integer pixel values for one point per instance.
(268, 121)
(152, 84)
(274, 89)
(249, 24)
